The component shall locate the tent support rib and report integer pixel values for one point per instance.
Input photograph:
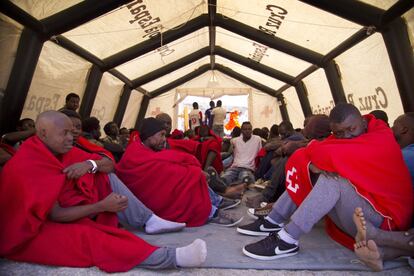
(27, 56)
(142, 111)
(334, 81)
(303, 98)
(88, 99)
(399, 50)
(122, 105)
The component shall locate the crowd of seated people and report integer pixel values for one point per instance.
(89, 184)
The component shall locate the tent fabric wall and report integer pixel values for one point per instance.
(162, 104)
(58, 73)
(43, 9)
(296, 116)
(10, 32)
(132, 109)
(264, 110)
(368, 78)
(107, 98)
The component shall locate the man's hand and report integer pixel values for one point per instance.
(113, 203)
(77, 170)
(315, 169)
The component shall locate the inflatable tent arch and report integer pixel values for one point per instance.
(127, 58)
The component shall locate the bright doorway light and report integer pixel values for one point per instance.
(237, 103)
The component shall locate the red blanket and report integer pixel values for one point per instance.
(169, 182)
(87, 146)
(31, 182)
(213, 144)
(372, 163)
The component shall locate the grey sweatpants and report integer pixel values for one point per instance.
(136, 215)
(335, 198)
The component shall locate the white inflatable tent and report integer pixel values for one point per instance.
(131, 59)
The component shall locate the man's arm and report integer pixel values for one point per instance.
(76, 170)
(12, 138)
(112, 203)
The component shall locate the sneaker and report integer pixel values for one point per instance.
(270, 248)
(225, 219)
(260, 212)
(215, 177)
(260, 227)
(227, 203)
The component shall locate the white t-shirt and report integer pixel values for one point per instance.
(195, 117)
(219, 115)
(245, 152)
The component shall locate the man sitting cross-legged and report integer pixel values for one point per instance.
(58, 209)
(373, 245)
(344, 182)
(171, 182)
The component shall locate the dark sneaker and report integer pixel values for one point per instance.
(227, 203)
(260, 227)
(225, 219)
(260, 212)
(270, 248)
(215, 178)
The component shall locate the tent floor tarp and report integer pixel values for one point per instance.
(318, 254)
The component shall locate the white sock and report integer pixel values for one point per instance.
(192, 255)
(269, 219)
(286, 237)
(156, 225)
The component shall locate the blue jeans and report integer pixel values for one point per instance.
(215, 201)
(237, 174)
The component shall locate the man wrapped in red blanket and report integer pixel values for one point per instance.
(360, 165)
(49, 217)
(170, 182)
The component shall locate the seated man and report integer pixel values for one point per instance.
(25, 128)
(245, 149)
(403, 130)
(345, 182)
(169, 182)
(318, 128)
(61, 210)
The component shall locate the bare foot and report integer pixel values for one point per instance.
(360, 224)
(235, 191)
(369, 254)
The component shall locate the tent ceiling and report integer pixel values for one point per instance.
(140, 41)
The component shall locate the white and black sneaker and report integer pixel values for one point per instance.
(261, 227)
(270, 248)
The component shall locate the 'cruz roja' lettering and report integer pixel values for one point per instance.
(277, 15)
(378, 100)
(144, 19)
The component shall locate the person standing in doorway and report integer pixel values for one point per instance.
(195, 116)
(207, 115)
(218, 115)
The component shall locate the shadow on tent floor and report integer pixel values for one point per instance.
(317, 253)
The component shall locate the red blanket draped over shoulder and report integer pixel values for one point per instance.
(373, 164)
(168, 182)
(31, 182)
(87, 146)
